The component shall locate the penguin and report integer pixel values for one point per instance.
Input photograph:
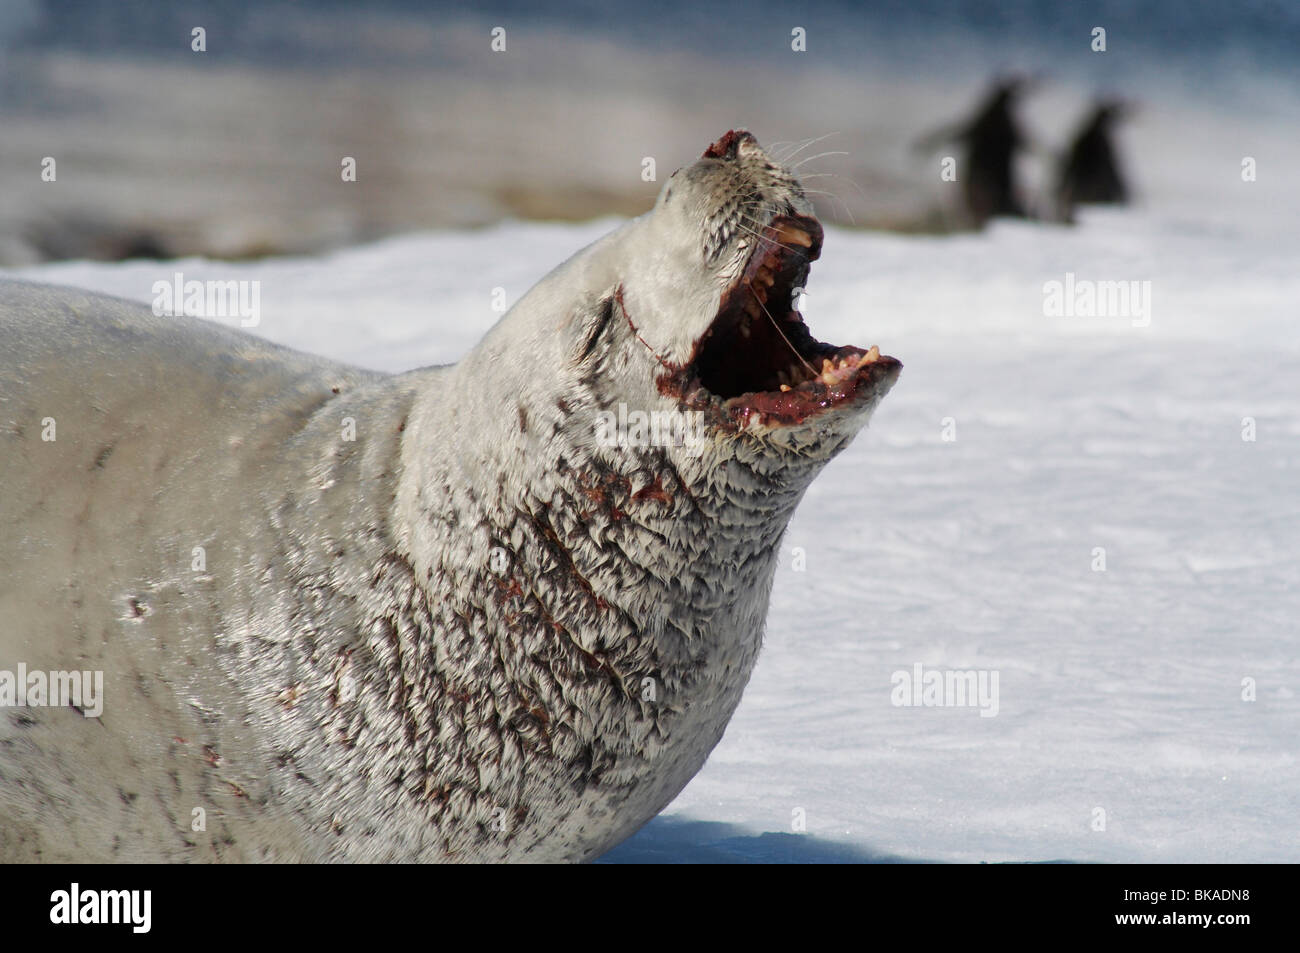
(992, 140)
(1090, 173)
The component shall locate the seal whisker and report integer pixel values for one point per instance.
(845, 205)
(835, 175)
(778, 148)
(794, 350)
(758, 235)
(820, 155)
(786, 159)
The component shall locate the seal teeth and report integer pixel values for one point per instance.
(871, 356)
(794, 236)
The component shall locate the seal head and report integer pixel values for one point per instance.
(698, 312)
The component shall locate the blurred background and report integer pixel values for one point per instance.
(478, 171)
(235, 152)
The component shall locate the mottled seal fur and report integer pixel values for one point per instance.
(473, 632)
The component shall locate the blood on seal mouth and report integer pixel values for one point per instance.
(758, 360)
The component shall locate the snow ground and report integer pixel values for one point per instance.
(1120, 690)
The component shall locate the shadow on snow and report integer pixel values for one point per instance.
(677, 840)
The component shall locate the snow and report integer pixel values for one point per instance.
(1120, 691)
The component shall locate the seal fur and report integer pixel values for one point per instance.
(472, 633)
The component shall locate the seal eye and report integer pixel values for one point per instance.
(591, 323)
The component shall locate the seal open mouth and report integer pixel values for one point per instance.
(757, 360)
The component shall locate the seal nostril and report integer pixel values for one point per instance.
(725, 148)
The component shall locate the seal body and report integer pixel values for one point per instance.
(437, 616)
